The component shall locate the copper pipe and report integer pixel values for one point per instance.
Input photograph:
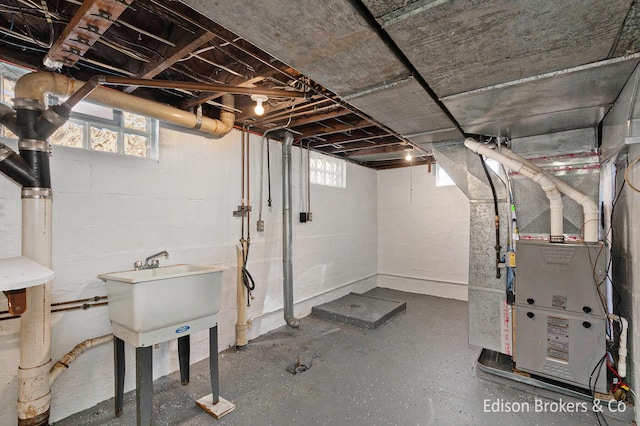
(203, 87)
(84, 306)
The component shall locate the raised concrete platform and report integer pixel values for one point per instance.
(359, 310)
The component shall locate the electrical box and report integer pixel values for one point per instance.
(560, 313)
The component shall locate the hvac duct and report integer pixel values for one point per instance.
(538, 176)
(287, 221)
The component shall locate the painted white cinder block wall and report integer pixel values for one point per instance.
(423, 234)
(110, 211)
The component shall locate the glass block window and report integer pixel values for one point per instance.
(327, 171)
(91, 127)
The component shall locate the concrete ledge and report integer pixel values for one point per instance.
(443, 289)
(268, 321)
(359, 310)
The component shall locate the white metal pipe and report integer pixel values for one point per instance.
(65, 361)
(538, 176)
(35, 324)
(35, 85)
(589, 207)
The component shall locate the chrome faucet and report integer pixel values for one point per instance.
(151, 261)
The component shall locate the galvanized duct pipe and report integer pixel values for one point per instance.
(589, 207)
(287, 221)
(538, 176)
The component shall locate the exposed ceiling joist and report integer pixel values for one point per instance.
(173, 55)
(91, 20)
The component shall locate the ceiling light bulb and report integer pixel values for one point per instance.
(259, 99)
(409, 156)
(259, 109)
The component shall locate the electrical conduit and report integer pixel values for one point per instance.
(538, 176)
(287, 221)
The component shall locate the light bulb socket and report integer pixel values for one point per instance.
(409, 155)
(259, 99)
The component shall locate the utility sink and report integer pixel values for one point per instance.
(150, 306)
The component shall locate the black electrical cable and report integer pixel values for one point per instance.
(247, 279)
(268, 174)
(592, 389)
(495, 206)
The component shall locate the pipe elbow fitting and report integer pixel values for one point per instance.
(472, 144)
(34, 85)
(292, 321)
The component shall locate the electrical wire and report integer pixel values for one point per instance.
(49, 22)
(626, 174)
(495, 206)
(268, 174)
(247, 279)
(592, 389)
(308, 178)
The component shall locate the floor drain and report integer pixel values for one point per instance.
(299, 367)
(355, 306)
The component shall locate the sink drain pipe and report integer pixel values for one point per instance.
(287, 223)
(30, 169)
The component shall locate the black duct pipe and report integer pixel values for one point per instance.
(51, 119)
(27, 112)
(15, 168)
(8, 118)
(38, 162)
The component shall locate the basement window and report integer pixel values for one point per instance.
(328, 171)
(92, 127)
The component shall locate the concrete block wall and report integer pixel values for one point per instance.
(110, 211)
(423, 234)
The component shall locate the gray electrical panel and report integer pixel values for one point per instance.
(560, 312)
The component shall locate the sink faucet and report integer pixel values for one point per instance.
(151, 261)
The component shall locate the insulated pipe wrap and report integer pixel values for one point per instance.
(34, 86)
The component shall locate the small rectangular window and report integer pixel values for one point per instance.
(328, 171)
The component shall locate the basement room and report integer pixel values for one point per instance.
(341, 212)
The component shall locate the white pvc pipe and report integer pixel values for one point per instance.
(622, 345)
(538, 176)
(589, 207)
(35, 323)
(66, 360)
(35, 85)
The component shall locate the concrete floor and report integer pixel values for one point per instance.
(417, 369)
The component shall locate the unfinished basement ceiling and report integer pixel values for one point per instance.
(378, 74)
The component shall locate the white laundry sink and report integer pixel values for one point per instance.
(150, 306)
